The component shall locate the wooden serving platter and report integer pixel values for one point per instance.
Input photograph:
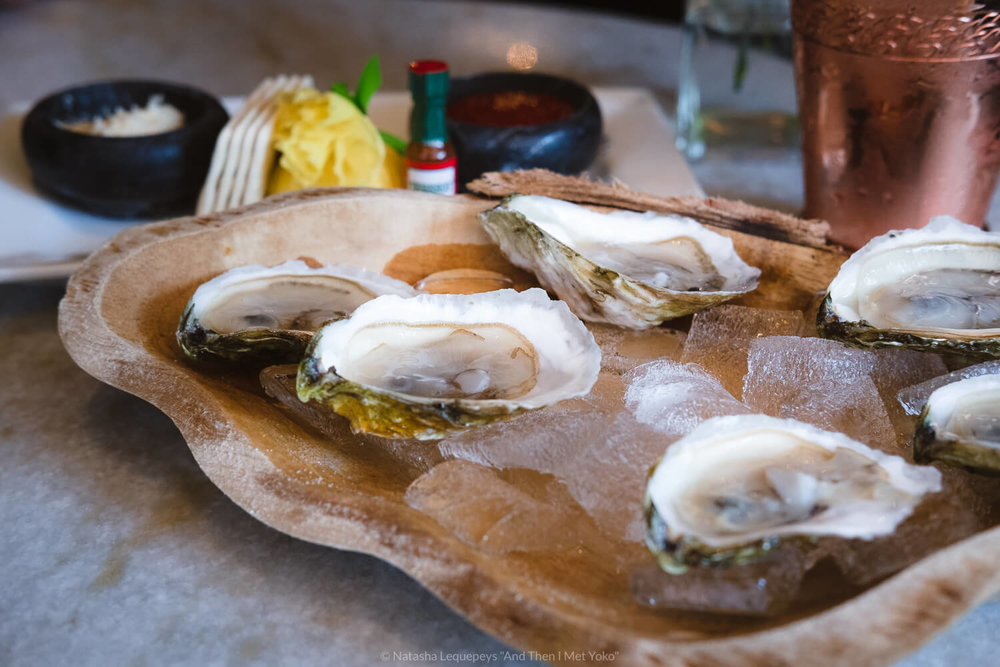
(118, 321)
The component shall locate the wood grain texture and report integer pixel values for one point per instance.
(118, 319)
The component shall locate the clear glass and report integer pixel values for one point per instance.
(723, 93)
(900, 109)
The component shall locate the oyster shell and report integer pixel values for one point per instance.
(960, 425)
(429, 365)
(266, 315)
(733, 488)
(934, 289)
(626, 268)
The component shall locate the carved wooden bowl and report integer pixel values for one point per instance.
(118, 321)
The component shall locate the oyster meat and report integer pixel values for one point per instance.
(626, 268)
(935, 289)
(960, 425)
(266, 315)
(432, 364)
(734, 487)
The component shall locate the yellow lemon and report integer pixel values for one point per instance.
(324, 140)
(392, 173)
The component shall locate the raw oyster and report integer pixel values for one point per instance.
(626, 268)
(734, 487)
(960, 424)
(429, 365)
(934, 289)
(266, 315)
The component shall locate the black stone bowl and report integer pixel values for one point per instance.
(567, 146)
(152, 176)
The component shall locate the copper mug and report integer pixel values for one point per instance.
(899, 103)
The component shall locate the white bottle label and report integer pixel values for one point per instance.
(440, 180)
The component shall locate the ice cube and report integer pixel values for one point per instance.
(895, 369)
(764, 588)
(592, 444)
(608, 478)
(544, 439)
(497, 515)
(942, 518)
(820, 382)
(913, 398)
(673, 398)
(624, 349)
(719, 339)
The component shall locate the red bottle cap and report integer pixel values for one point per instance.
(428, 66)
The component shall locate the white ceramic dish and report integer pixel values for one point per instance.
(41, 238)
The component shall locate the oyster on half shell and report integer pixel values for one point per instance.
(432, 364)
(734, 487)
(266, 315)
(935, 289)
(960, 425)
(626, 268)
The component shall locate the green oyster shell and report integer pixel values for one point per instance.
(593, 292)
(677, 557)
(864, 335)
(928, 447)
(386, 413)
(253, 349)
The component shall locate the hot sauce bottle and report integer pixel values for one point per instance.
(430, 157)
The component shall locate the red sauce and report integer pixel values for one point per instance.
(506, 108)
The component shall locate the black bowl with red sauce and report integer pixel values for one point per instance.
(504, 121)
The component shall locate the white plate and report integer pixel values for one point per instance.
(40, 238)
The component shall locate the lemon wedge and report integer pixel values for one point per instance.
(323, 139)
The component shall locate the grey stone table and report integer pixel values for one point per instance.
(116, 549)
